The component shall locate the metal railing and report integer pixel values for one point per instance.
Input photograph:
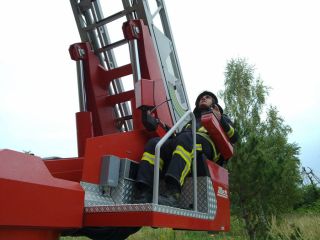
(194, 167)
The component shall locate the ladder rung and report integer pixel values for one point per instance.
(115, 73)
(109, 19)
(156, 12)
(112, 45)
(120, 97)
(121, 119)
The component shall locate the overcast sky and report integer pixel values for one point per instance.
(38, 86)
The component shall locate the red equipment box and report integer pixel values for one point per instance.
(221, 141)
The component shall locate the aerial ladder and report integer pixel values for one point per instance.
(127, 68)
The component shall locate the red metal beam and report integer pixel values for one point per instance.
(32, 198)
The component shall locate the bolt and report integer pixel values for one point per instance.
(136, 30)
(81, 52)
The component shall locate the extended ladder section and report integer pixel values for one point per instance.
(100, 25)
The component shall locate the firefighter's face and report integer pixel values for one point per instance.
(206, 101)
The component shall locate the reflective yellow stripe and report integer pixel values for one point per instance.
(230, 132)
(215, 155)
(150, 159)
(184, 173)
(183, 153)
(187, 157)
(198, 147)
(202, 129)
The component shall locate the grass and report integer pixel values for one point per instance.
(169, 234)
(237, 233)
(74, 238)
(290, 227)
(296, 227)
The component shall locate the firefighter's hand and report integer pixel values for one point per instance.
(164, 126)
(216, 112)
(149, 121)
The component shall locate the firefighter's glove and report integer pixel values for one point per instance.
(149, 122)
(216, 112)
(164, 126)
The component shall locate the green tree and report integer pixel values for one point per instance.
(264, 173)
(309, 198)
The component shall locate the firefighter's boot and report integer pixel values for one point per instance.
(143, 194)
(171, 195)
(169, 198)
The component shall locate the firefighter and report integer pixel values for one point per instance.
(177, 152)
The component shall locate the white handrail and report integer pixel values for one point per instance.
(157, 159)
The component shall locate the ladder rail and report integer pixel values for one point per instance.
(177, 108)
(168, 33)
(81, 88)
